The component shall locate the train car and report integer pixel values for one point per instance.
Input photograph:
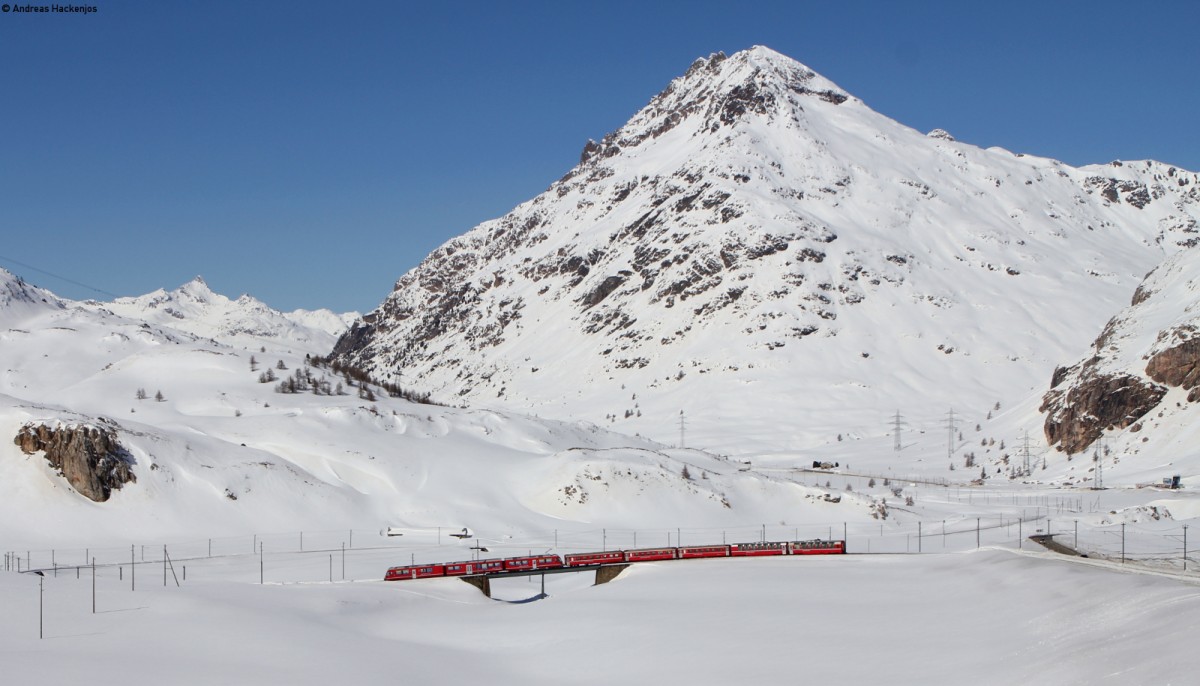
(695, 551)
(414, 572)
(757, 549)
(649, 554)
(474, 567)
(817, 547)
(521, 564)
(605, 558)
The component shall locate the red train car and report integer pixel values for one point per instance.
(474, 567)
(520, 564)
(694, 551)
(817, 547)
(648, 554)
(414, 572)
(747, 549)
(607, 558)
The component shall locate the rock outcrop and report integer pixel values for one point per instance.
(1081, 412)
(89, 457)
(1178, 366)
(1146, 350)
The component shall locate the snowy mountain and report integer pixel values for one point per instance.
(164, 414)
(195, 309)
(1137, 387)
(19, 300)
(758, 262)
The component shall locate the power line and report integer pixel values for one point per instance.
(56, 276)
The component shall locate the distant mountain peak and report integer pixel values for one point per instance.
(19, 299)
(197, 289)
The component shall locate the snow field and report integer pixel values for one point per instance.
(991, 617)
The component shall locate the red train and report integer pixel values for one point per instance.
(536, 562)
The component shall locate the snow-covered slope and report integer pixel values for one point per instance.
(1137, 386)
(20, 301)
(223, 451)
(761, 254)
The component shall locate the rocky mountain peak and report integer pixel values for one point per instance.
(716, 93)
(197, 290)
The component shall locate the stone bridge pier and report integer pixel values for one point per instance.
(604, 574)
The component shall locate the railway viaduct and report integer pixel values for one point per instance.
(604, 574)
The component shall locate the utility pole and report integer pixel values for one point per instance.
(896, 431)
(682, 423)
(1099, 460)
(951, 427)
(1025, 454)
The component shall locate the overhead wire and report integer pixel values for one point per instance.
(58, 276)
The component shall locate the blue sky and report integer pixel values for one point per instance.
(310, 153)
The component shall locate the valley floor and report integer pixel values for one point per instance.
(992, 616)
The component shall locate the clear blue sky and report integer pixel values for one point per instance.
(310, 153)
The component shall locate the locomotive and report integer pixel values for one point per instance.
(579, 560)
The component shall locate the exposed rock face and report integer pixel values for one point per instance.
(1080, 413)
(1177, 366)
(89, 457)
